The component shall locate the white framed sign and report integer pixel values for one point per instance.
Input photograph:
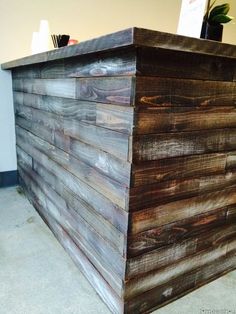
(191, 17)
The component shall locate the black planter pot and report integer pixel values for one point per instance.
(212, 32)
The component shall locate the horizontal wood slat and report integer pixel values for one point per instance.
(167, 255)
(49, 126)
(103, 64)
(186, 120)
(182, 209)
(180, 230)
(171, 92)
(74, 224)
(165, 192)
(102, 205)
(161, 295)
(180, 64)
(180, 167)
(116, 90)
(159, 146)
(118, 118)
(78, 256)
(140, 284)
(111, 189)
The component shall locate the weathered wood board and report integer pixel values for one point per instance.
(126, 146)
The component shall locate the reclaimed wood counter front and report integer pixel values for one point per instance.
(126, 146)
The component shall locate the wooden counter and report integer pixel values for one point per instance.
(126, 146)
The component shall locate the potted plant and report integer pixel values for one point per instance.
(212, 27)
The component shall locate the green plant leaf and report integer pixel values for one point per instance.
(219, 9)
(221, 18)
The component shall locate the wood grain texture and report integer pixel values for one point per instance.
(161, 295)
(180, 167)
(111, 189)
(126, 146)
(140, 284)
(158, 146)
(80, 259)
(81, 190)
(118, 118)
(186, 120)
(120, 62)
(107, 230)
(115, 90)
(178, 231)
(74, 224)
(153, 217)
(99, 141)
(167, 191)
(170, 92)
(180, 64)
(170, 254)
(111, 142)
(51, 87)
(102, 64)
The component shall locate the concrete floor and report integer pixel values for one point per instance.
(38, 277)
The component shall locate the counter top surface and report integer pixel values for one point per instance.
(130, 37)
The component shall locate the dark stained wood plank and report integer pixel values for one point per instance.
(51, 87)
(129, 154)
(178, 231)
(156, 259)
(113, 90)
(108, 141)
(155, 39)
(141, 284)
(108, 187)
(57, 208)
(108, 231)
(30, 71)
(120, 62)
(114, 280)
(79, 257)
(179, 167)
(153, 194)
(180, 64)
(159, 146)
(103, 288)
(157, 216)
(171, 92)
(51, 128)
(180, 286)
(100, 64)
(118, 118)
(199, 119)
(106, 163)
(111, 212)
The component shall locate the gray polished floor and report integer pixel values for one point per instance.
(38, 277)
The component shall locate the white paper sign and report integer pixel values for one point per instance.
(191, 17)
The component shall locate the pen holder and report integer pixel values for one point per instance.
(60, 40)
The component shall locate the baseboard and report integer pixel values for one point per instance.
(8, 178)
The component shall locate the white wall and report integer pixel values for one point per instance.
(7, 130)
(82, 19)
